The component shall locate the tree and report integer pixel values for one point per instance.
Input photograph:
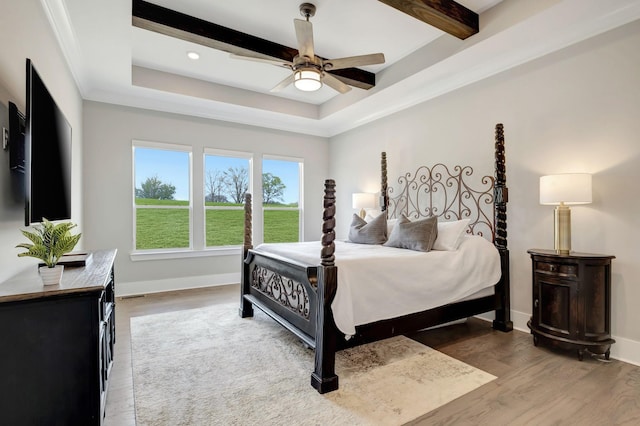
(215, 187)
(237, 181)
(154, 188)
(272, 188)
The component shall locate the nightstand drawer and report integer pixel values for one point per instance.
(570, 270)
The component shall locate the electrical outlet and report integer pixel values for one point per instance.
(5, 138)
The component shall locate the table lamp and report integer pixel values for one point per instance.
(363, 200)
(563, 190)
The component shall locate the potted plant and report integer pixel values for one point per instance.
(49, 242)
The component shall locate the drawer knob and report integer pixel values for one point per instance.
(535, 303)
(553, 268)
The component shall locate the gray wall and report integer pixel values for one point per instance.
(109, 131)
(576, 110)
(26, 33)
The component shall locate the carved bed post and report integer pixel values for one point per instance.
(324, 378)
(501, 197)
(246, 308)
(384, 194)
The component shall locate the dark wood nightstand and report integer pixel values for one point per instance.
(572, 301)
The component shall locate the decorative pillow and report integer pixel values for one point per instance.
(391, 223)
(418, 235)
(373, 214)
(450, 235)
(374, 232)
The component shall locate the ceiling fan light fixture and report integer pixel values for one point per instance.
(307, 80)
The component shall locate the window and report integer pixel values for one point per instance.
(183, 208)
(162, 206)
(227, 177)
(281, 195)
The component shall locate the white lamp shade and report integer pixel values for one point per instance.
(567, 188)
(307, 80)
(363, 200)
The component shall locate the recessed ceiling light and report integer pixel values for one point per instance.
(193, 55)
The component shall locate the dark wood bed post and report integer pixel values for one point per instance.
(502, 321)
(324, 378)
(246, 308)
(384, 193)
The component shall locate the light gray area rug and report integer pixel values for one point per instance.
(210, 367)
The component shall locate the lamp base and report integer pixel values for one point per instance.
(562, 229)
(363, 213)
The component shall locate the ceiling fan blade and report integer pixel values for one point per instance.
(304, 34)
(353, 61)
(334, 83)
(284, 83)
(264, 60)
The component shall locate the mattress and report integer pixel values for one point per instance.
(377, 282)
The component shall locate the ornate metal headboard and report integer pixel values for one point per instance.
(452, 194)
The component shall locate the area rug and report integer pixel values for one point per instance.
(210, 367)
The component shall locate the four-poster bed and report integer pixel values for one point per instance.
(299, 294)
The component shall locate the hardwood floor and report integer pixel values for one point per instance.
(534, 385)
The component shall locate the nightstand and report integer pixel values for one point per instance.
(572, 301)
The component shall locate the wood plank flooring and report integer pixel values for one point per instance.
(535, 385)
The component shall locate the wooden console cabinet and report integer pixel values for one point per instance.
(572, 301)
(57, 345)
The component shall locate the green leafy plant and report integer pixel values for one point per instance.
(49, 241)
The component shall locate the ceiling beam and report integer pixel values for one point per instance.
(447, 15)
(165, 21)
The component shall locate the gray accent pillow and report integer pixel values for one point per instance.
(416, 235)
(374, 232)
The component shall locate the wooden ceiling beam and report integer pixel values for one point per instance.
(169, 22)
(447, 15)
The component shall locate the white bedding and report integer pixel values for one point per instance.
(377, 282)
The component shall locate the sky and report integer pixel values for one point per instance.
(173, 167)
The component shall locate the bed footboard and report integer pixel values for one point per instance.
(296, 295)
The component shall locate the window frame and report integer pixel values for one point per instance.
(300, 209)
(197, 205)
(231, 154)
(154, 252)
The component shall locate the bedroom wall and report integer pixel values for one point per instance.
(26, 33)
(576, 110)
(109, 131)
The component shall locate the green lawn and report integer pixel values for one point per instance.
(162, 228)
(169, 228)
(281, 226)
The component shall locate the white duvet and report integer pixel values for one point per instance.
(377, 282)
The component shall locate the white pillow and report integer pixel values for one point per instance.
(372, 211)
(371, 215)
(450, 235)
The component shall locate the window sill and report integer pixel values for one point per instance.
(137, 256)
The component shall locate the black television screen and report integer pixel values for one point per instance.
(47, 154)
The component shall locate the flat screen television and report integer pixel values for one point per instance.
(47, 154)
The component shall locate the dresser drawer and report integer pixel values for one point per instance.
(565, 269)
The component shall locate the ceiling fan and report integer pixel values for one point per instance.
(309, 71)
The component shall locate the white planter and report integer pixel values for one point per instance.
(51, 276)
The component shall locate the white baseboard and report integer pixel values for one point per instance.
(135, 288)
(626, 350)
